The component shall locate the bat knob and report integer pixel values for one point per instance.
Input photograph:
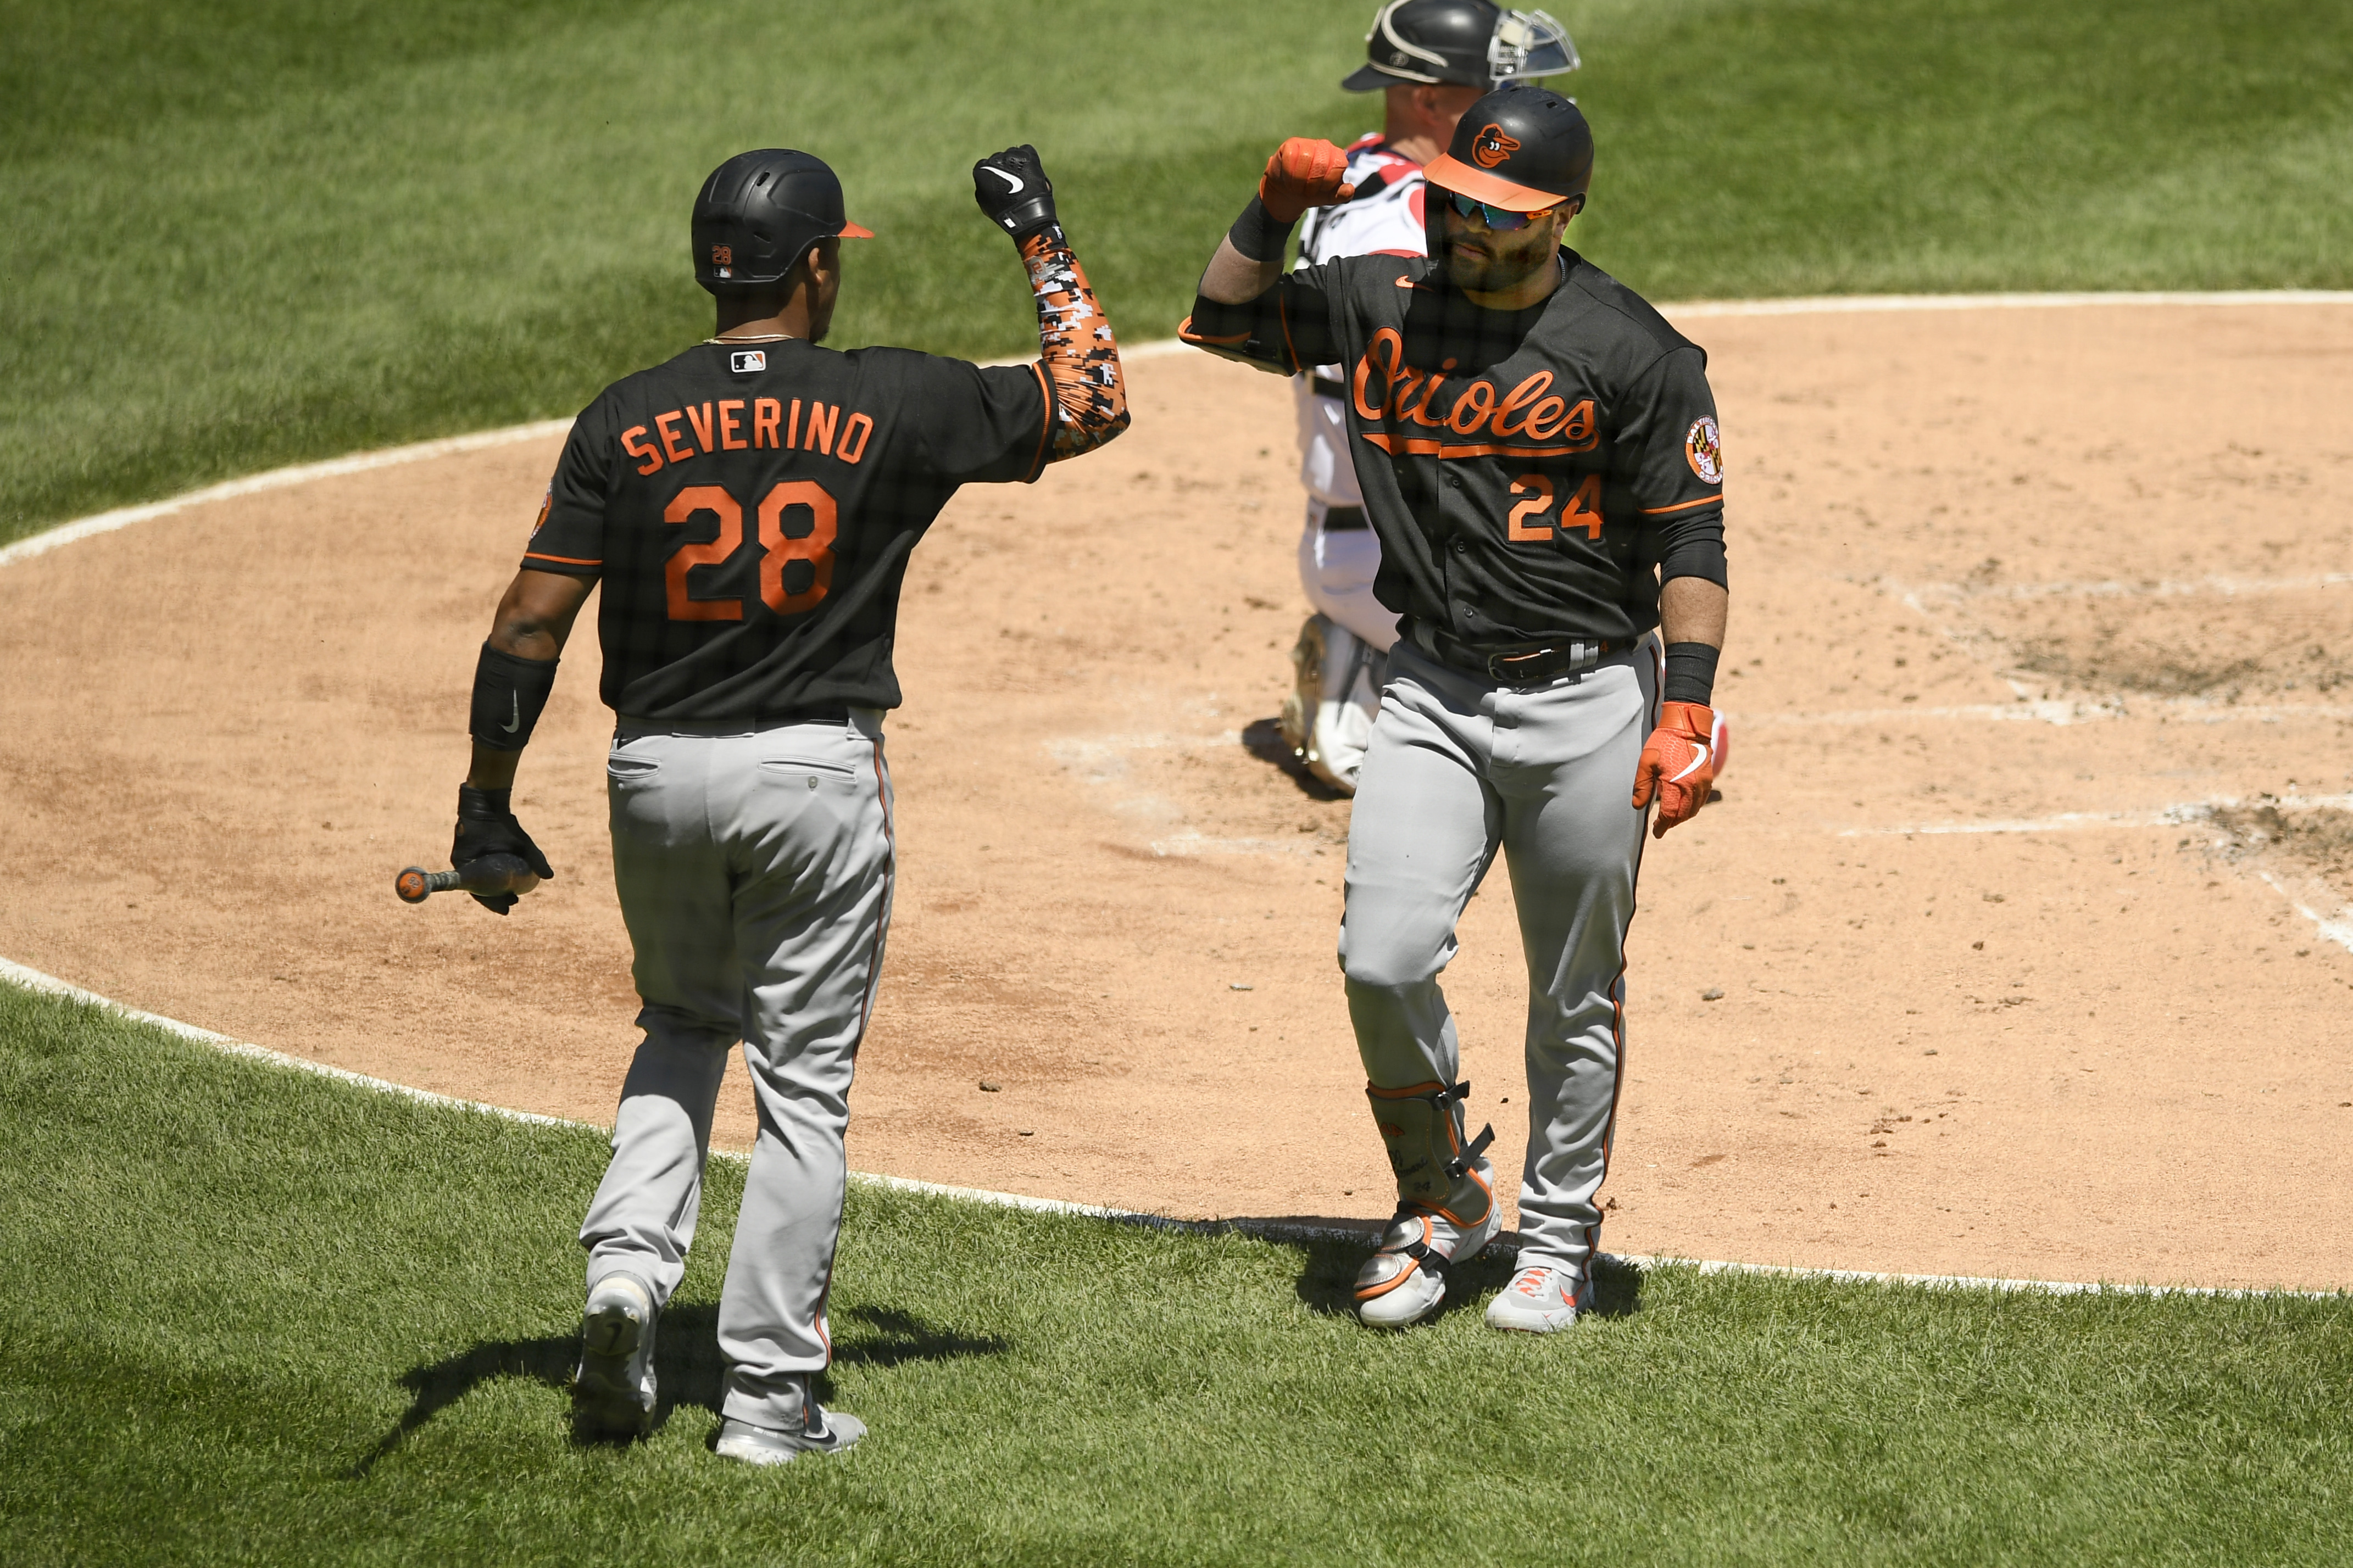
(411, 885)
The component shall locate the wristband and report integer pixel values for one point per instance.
(509, 693)
(1257, 234)
(1690, 673)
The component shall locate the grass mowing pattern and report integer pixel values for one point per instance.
(257, 1316)
(246, 235)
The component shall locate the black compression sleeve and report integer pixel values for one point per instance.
(1257, 234)
(509, 693)
(1690, 673)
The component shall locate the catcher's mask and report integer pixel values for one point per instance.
(1471, 43)
(759, 214)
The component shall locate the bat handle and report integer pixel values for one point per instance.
(416, 884)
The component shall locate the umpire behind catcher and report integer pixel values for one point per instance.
(749, 507)
(1538, 454)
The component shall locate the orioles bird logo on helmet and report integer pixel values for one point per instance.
(1493, 147)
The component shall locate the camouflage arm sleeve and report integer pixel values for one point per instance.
(1077, 354)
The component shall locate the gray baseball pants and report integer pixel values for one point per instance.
(754, 867)
(1459, 768)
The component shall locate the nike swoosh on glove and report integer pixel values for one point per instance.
(1011, 187)
(1678, 764)
(1303, 173)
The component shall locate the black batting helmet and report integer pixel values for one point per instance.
(758, 214)
(1471, 43)
(1521, 148)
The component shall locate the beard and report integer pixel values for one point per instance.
(1488, 262)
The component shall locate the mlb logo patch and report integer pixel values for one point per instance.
(744, 362)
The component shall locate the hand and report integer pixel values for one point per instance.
(1303, 173)
(486, 825)
(1012, 189)
(1678, 764)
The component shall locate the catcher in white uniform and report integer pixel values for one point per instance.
(1431, 59)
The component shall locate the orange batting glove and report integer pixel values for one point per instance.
(1303, 173)
(1678, 764)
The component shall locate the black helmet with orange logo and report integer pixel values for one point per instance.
(1471, 43)
(758, 214)
(1524, 149)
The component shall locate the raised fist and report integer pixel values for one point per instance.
(1303, 173)
(1678, 764)
(1012, 189)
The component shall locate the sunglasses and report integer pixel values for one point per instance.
(1503, 220)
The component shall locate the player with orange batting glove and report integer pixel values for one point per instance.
(1539, 457)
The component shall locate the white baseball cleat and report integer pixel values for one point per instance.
(1538, 1300)
(613, 1392)
(1405, 1281)
(767, 1445)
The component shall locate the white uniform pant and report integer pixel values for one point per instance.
(754, 867)
(1336, 569)
(1460, 767)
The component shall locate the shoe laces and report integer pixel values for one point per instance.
(1530, 1282)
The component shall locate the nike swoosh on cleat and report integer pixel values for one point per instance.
(512, 725)
(1012, 181)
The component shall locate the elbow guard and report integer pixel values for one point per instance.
(509, 694)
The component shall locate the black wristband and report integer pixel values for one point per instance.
(1257, 234)
(1690, 673)
(509, 693)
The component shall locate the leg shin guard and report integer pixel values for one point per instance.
(1436, 1169)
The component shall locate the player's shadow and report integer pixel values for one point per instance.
(1327, 1280)
(1263, 738)
(688, 1367)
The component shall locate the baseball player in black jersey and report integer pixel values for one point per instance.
(1539, 455)
(749, 507)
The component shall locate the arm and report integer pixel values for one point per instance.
(1678, 762)
(511, 680)
(1078, 357)
(1240, 312)
(533, 622)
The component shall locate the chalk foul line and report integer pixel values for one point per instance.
(35, 980)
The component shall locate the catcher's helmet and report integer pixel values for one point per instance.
(1521, 148)
(758, 214)
(1472, 43)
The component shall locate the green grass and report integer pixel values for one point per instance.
(257, 1315)
(244, 234)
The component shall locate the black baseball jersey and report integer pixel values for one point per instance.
(1526, 471)
(749, 509)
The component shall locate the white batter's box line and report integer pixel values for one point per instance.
(2183, 815)
(1191, 843)
(1964, 1281)
(1268, 1229)
(2338, 930)
(279, 479)
(2117, 588)
(2181, 710)
(1874, 304)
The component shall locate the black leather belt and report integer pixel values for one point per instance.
(1324, 386)
(1338, 519)
(1515, 664)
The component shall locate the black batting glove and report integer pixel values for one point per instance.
(487, 825)
(1012, 189)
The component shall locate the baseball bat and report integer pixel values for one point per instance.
(490, 874)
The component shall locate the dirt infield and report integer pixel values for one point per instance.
(2026, 903)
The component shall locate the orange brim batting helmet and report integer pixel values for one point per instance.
(1524, 149)
(758, 214)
